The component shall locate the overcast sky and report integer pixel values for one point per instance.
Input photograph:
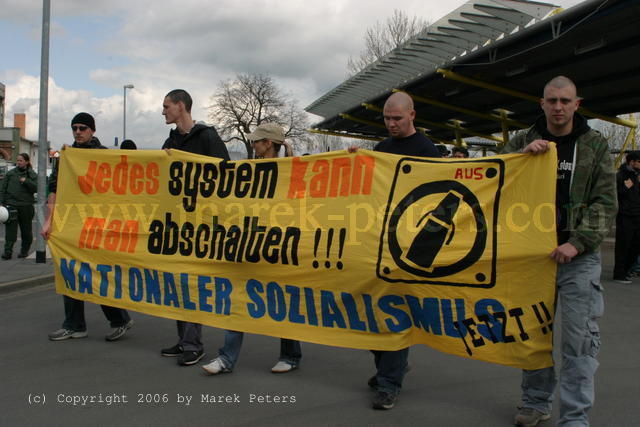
(99, 46)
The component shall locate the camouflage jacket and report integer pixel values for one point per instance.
(593, 203)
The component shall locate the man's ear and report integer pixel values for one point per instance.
(542, 103)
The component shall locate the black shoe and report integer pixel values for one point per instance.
(384, 400)
(23, 254)
(174, 351)
(373, 382)
(6, 255)
(190, 358)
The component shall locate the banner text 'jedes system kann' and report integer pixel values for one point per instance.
(362, 250)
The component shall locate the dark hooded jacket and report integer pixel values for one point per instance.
(628, 198)
(201, 139)
(53, 179)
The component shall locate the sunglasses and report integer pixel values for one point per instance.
(79, 128)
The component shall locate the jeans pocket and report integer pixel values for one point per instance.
(597, 301)
(597, 309)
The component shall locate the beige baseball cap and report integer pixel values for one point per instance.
(270, 131)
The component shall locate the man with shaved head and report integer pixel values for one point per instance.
(586, 205)
(398, 115)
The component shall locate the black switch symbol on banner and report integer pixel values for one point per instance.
(437, 230)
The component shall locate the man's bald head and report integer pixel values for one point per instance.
(399, 100)
(559, 103)
(399, 114)
(560, 82)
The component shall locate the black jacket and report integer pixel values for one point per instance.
(201, 139)
(53, 180)
(628, 198)
(16, 193)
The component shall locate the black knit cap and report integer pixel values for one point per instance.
(633, 155)
(84, 119)
(128, 144)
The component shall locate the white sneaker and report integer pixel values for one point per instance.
(216, 366)
(65, 334)
(117, 333)
(282, 367)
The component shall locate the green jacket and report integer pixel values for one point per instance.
(16, 193)
(593, 203)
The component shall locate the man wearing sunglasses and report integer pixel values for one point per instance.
(83, 127)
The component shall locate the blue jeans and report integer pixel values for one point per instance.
(391, 366)
(290, 350)
(581, 303)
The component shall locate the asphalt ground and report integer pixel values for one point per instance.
(17, 273)
(132, 384)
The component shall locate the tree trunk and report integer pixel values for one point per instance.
(247, 145)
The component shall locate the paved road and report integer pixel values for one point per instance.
(18, 270)
(16, 246)
(329, 389)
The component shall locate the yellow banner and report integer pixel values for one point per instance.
(364, 250)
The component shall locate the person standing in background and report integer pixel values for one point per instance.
(16, 192)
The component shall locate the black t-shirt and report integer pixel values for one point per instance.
(566, 149)
(414, 145)
(566, 146)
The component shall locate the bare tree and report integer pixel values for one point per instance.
(325, 142)
(617, 134)
(241, 104)
(382, 38)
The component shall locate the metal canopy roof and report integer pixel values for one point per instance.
(497, 54)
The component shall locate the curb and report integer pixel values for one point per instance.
(26, 283)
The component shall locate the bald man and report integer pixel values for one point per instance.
(399, 115)
(586, 205)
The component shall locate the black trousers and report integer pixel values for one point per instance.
(391, 367)
(24, 220)
(627, 244)
(74, 315)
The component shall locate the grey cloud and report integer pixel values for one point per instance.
(194, 44)
(23, 104)
(236, 41)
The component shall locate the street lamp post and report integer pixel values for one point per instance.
(43, 145)
(124, 112)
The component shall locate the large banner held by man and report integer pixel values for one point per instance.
(363, 250)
